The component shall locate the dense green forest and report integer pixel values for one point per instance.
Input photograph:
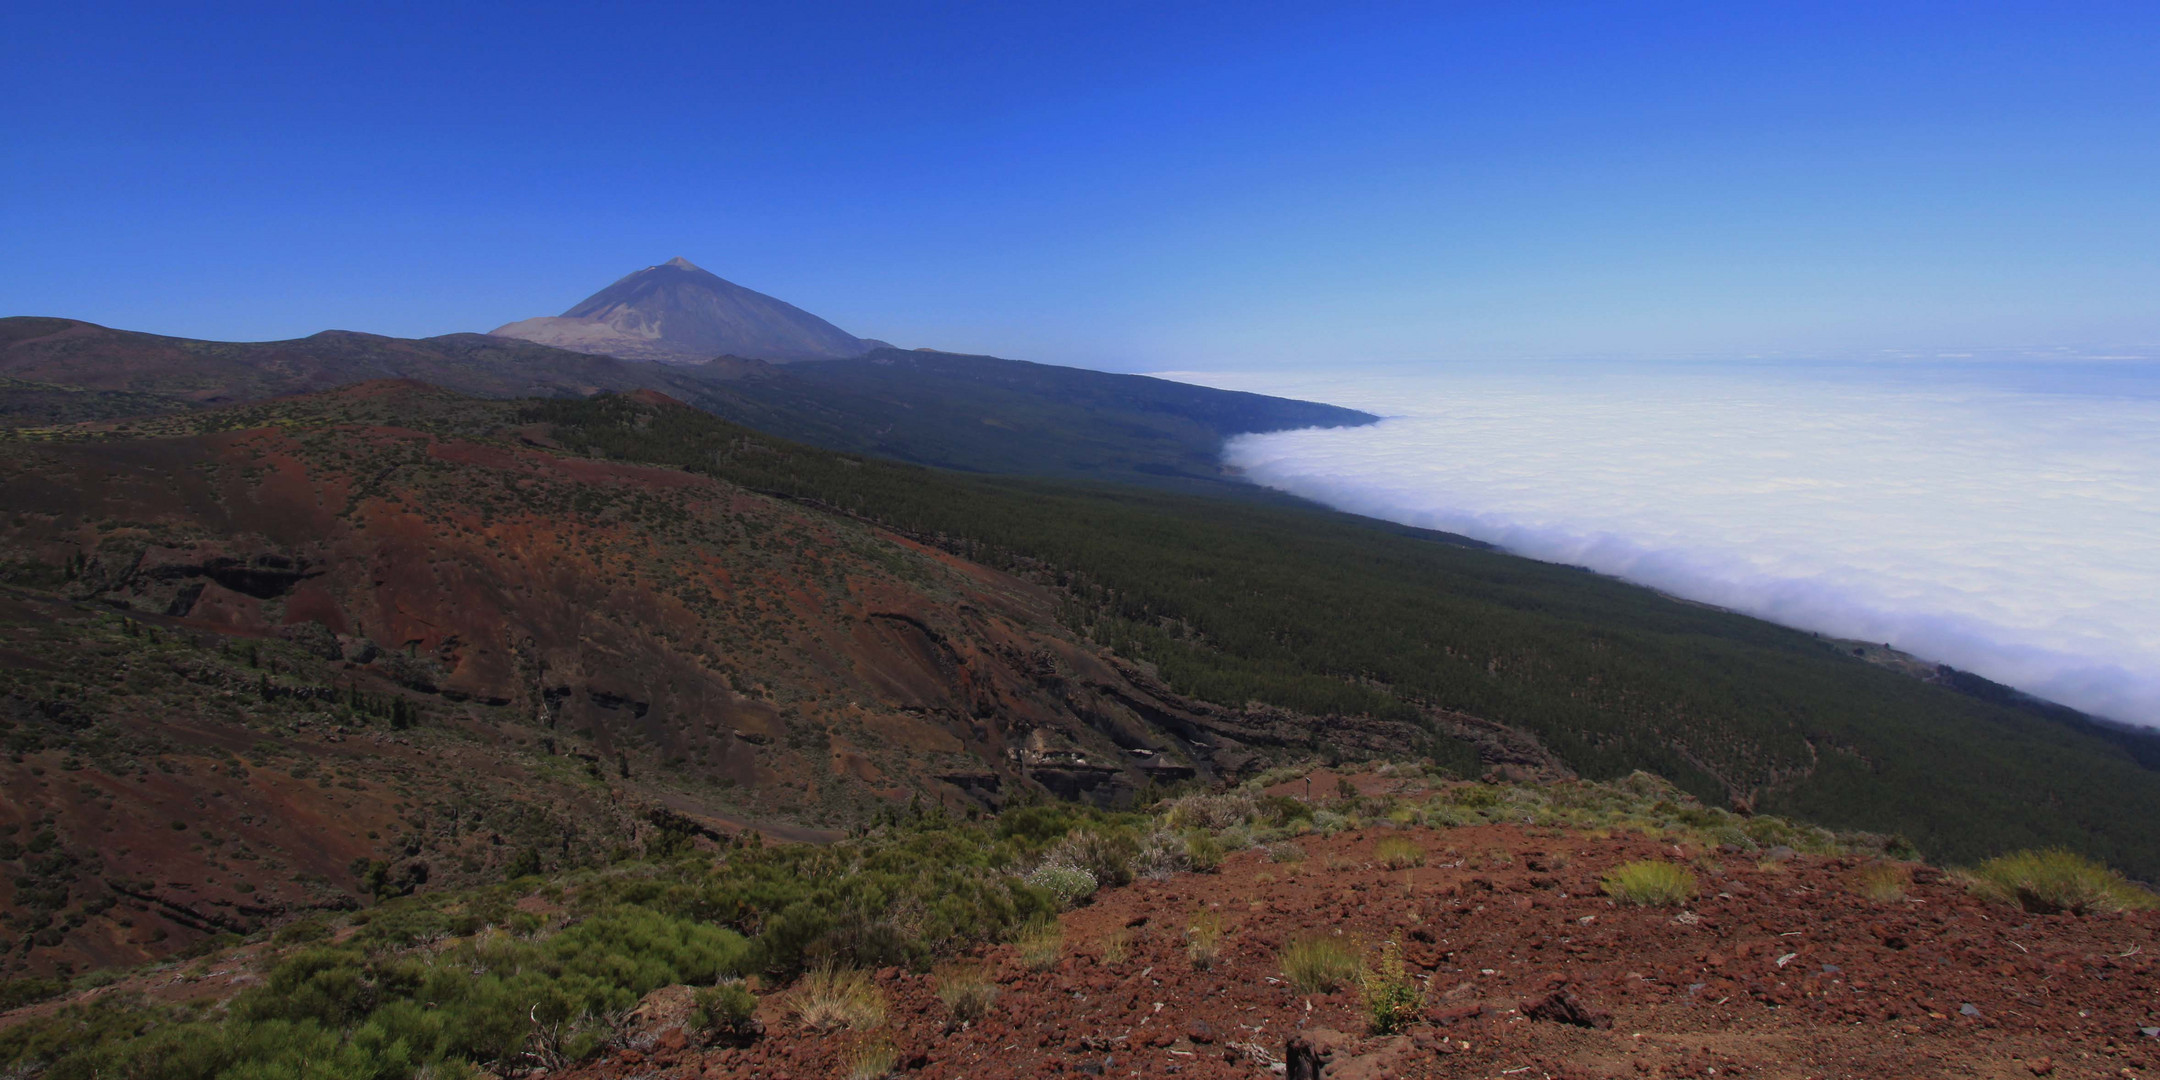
(1239, 601)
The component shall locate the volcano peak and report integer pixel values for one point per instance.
(679, 312)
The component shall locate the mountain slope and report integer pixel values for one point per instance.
(975, 413)
(679, 312)
(270, 658)
(1335, 615)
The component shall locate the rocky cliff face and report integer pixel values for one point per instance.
(678, 312)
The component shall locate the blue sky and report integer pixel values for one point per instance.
(1136, 186)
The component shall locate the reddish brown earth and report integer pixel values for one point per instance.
(1777, 971)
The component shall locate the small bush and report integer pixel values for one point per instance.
(1390, 996)
(830, 999)
(1203, 939)
(1203, 853)
(1884, 883)
(1214, 812)
(724, 1012)
(1649, 882)
(2047, 882)
(1071, 885)
(1106, 854)
(1399, 852)
(1041, 944)
(967, 991)
(303, 932)
(15, 993)
(1162, 854)
(1318, 965)
(1286, 852)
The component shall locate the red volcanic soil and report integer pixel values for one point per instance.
(1777, 970)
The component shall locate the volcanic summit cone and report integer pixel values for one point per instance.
(678, 312)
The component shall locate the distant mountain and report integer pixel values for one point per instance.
(677, 313)
(974, 413)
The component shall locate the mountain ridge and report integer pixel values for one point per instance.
(971, 413)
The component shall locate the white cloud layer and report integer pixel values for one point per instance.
(1984, 519)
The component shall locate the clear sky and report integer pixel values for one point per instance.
(1137, 186)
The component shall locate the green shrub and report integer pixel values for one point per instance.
(1108, 854)
(1390, 996)
(724, 1012)
(1399, 852)
(1649, 882)
(1203, 853)
(302, 932)
(15, 993)
(1318, 965)
(2046, 882)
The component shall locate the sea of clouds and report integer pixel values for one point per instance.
(2000, 518)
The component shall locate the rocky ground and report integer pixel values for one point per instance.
(1780, 968)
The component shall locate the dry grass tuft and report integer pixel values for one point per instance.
(873, 1061)
(1203, 939)
(966, 990)
(828, 999)
(1399, 852)
(1649, 882)
(1114, 947)
(1318, 965)
(1884, 883)
(1042, 944)
(2047, 882)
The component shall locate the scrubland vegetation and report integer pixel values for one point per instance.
(542, 970)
